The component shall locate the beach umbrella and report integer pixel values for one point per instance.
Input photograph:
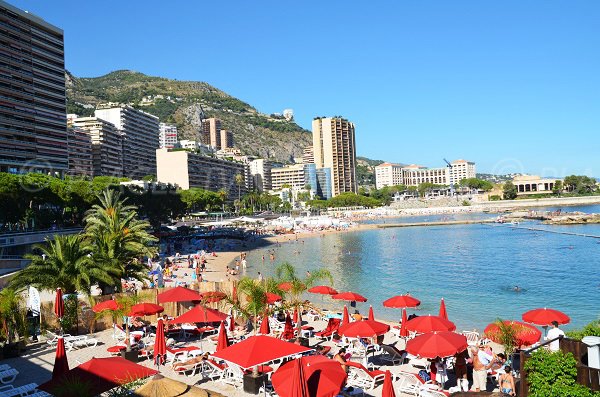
(350, 296)
(146, 309)
(106, 305)
(323, 290)
(159, 386)
(257, 350)
(403, 330)
(443, 314)
(213, 296)
(295, 318)
(545, 316)
(401, 301)
(323, 377)
(59, 304)
(265, 328)
(286, 286)
(179, 294)
(363, 329)
(160, 345)
(525, 334)
(200, 314)
(272, 298)
(61, 364)
(231, 322)
(345, 316)
(429, 323)
(371, 314)
(223, 341)
(437, 344)
(388, 386)
(288, 328)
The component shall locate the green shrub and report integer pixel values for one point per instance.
(592, 329)
(495, 197)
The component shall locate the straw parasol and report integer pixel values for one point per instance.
(159, 386)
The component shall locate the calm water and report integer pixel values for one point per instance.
(474, 267)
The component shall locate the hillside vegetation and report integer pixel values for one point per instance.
(185, 103)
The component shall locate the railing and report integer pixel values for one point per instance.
(523, 357)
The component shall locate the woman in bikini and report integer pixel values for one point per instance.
(507, 382)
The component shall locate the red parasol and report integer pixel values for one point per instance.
(323, 377)
(146, 309)
(200, 314)
(213, 296)
(257, 350)
(272, 298)
(295, 317)
(403, 330)
(437, 344)
(288, 328)
(345, 317)
(98, 376)
(265, 329)
(223, 341)
(371, 314)
(231, 322)
(323, 290)
(443, 313)
(59, 304)
(388, 386)
(363, 329)
(429, 323)
(160, 345)
(545, 316)
(350, 296)
(106, 305)
(286, 286)
(179, 294)
(402, 301)
(526, 334)
(61, 364)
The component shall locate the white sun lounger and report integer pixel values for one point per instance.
(8, 376)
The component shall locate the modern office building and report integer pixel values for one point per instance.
(79, 145)
(413, 175)
(167, 136)
(291, 176)
(308, 156)
(310, 177)
(324, 183)
(260, 170)
(388, 174)
(107, 145)
(334, 148)
(33, 130)
(211, 132)
(140, 137)
(226, 139)
(187, 170)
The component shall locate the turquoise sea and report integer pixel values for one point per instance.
(473, 267)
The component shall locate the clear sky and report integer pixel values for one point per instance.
(511, 85)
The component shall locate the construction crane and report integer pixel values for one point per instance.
(450, 177)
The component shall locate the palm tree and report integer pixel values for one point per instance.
(124, 304)
(13, 324)
(239, 180)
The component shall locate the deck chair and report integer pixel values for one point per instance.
(8, 376)
(425, 392)
(390, 354)
(332, 327)
(472, 337)
(190, 368)
(408, 383)
(11, 391)
(359, 376)
(233, 375)
(174, 355)
(213, 370)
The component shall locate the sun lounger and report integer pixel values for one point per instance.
(190, 367)
(332, 327)
(233, 375)
(408, 383)
(8, 376)
(426, 392)
(472, 337)
(213, 370)
(359, 376)
(390, 354)
(11, 391)
(178, 354)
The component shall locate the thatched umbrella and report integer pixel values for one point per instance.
(159, 386)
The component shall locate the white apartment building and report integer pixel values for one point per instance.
(388, 174)
(292, 175)
(260, 170)
(413, 175)
(167, 137)
(107, 146)
(461, 169)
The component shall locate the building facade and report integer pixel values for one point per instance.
(533, 184)
(324, 183)
(211, 132)
(308, 156)
(79, 145)
(226, 139)
(33, 130)
(260, 170)
(139, 131)
(107, 145)
(167, 136)
(388, 174)
(334, 148)
(290, 176)
(461, 169)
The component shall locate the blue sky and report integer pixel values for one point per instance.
(511, 85)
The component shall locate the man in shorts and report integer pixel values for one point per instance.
(479, 371)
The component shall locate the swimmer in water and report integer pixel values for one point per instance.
(516, 288)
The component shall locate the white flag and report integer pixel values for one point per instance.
(34, 301)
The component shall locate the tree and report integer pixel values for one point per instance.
(507, 334)
(558, 187)
(124, 305)
(509, 191)
(239, 181)
(13, 324)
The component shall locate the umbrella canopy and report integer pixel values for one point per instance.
(159, 386)
(106, 305)
(403, 330)
(443, 314)
(146, 309)
(288, 328)
(179, 294)
(545, 316)
(213, 296)
(59, 304)
(98, 376)
(257, 350)
(223, 341)
(429, 323)
(350, 296)
(371, 314)
(295, 317)
(160, 345)
(401, 301)
(200, 314)
(323, 290)
(323, 377)
(345, 316)
(272, 298)
(286, 286)
(363, 329)
(231, 322)
(388, 387)
(61, 364)
(525, 335)
(437, 344)
(265, 328)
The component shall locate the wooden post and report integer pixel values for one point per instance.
(523, 384)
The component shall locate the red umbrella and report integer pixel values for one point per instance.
(295, 318)
(388, 387)
(257, 350)
(371, 314)
(545, 316)
(231, 322)
(272, 298)
(213, 296)
(285, 286)
(288, 328)
(223, 341)
(525, 335)
(106, 305)
(179, 294)
(323, 377)
(160, 345)
(363, 329)
(61, 364)
(350, 296)
(443, 314)
(401, 301)
(59, 304)
(200, 314)
(345, 317)
(323, 290)
(403, 330)
(146, 309)
(98, 376)
(437, 344)
(265, 329)
(429, 323)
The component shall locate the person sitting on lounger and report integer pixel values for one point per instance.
(340, 357)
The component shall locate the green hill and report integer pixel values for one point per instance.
(185, 103)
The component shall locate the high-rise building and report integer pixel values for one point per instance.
(226, 139)
(211, 132)
(167, 136)
(107, 146)
(308, 156)
(80, 151)
(260, 170)
(324, 183)
(140, 137)
(33, 130)
(334, 148)
(461, 169)
(388, 174)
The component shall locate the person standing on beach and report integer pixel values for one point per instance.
(260, 277)
(460, 369)
(554, 332)
(479, 371)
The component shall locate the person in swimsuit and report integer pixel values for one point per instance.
(507, 382)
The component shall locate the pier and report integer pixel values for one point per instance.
(437, 223)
